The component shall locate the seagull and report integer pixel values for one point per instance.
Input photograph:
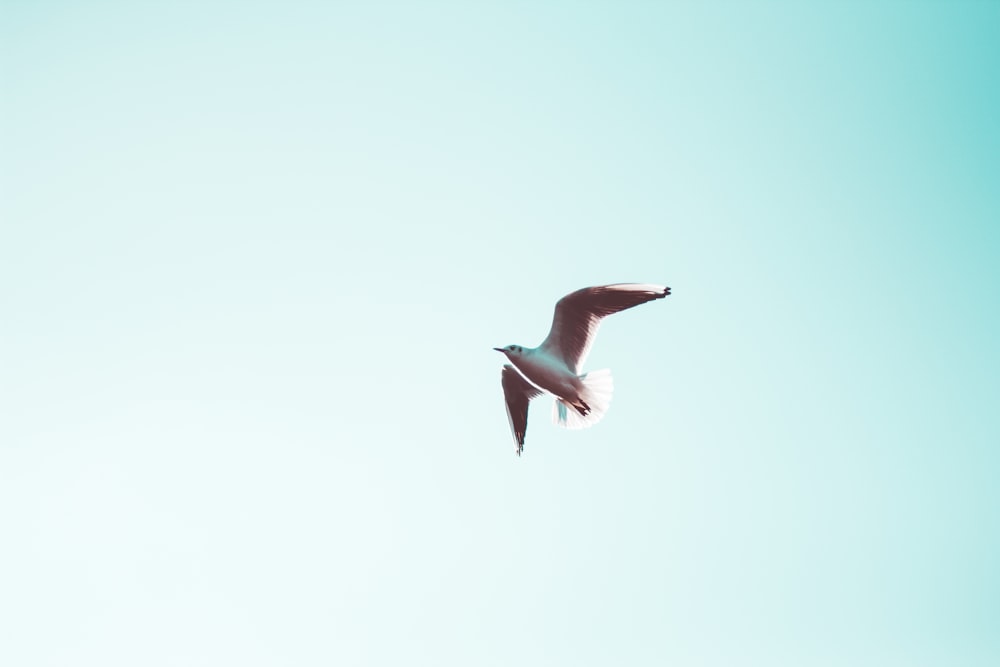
(581, 400)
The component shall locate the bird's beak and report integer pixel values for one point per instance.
(498, 349)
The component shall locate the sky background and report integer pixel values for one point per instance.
(254, 257)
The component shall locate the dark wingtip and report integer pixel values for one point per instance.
(666, 291)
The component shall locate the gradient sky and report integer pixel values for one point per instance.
(254, 257)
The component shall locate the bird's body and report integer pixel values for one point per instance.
(548, 373)
(553, 367)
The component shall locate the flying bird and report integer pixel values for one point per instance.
(581, 400)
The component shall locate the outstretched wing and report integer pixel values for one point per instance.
(579, 314)
(517, 392)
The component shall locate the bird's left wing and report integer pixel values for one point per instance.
(579, 313)
(517, 392)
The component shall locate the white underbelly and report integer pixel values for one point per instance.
(550, 378)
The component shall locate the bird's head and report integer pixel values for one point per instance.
(512, 351)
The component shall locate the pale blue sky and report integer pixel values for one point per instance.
(254, 258)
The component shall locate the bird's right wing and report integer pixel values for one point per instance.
(517, 392)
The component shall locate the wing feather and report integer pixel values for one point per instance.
(517, 393)
(578, 316)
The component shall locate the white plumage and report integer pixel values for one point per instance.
(554, 366)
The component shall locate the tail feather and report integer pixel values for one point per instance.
(597, 389)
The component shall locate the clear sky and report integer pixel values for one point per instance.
(254, 257)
